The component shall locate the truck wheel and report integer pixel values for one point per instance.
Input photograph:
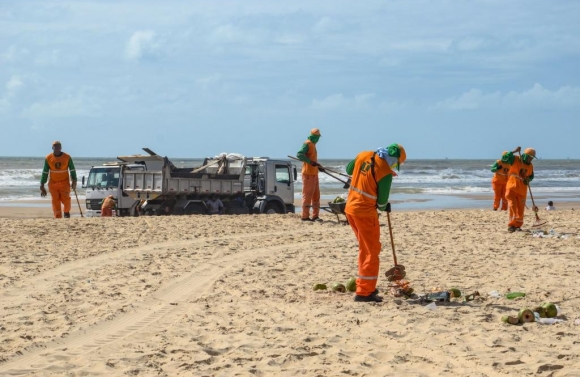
(272, 208)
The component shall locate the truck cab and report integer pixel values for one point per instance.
(108, 178)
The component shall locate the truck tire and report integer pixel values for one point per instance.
(273, 208)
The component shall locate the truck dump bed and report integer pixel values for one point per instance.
(222, 176)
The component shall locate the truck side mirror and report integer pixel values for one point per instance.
(83, 181)
(295, 174)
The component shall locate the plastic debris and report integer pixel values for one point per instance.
(494, 294)
(431, 306)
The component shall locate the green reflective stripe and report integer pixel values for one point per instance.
(363, 193)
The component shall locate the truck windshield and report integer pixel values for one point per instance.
(102, 177)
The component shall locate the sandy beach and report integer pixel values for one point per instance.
(232, 296)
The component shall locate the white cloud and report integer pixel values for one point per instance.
(325, 24)
(62, 108)
(536, 97)
(208, 81)
(339, 101)
(140, 44)
(13, 84)
(11, 89)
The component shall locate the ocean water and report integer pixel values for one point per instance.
(421, 184)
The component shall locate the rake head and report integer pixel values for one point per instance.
(539, 222)
(396, 273)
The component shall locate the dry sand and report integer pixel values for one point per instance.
(232, 296)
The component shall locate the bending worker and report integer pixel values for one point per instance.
(520, 175)
(372, 175)
(57, 165)
(499, 182)
(310, 186)
(108, 206)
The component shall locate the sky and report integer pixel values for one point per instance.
(451, 79)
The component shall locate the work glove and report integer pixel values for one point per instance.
(313, 163)
(73, 185)
(499, 167)
(42, 191)
(388, 209)
(321, 169)
(535, 209)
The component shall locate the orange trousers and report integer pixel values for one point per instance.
(310, 195)
(60, 194)
(106, 212)
(368, 234)
(517, 206)
(499, 195)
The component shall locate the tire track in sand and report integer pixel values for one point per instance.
(57, 354)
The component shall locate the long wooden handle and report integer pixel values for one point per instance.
(324, 167)
(391, 234)
(79, 204)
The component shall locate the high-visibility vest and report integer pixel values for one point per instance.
(312, 156)
(363, 194)
(516, 175)
(58, 167)
(501, 175)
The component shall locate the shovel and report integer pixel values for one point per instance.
(398, 271)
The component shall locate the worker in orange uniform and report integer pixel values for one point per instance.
(310, 168)
(372, 174)
(520, 175)
(499, 182)
(108, 206)
(57, 165)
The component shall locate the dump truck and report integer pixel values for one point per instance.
(151, 185)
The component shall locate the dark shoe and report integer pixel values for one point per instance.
(67, 215)
(518, 229)
(495, 209)
(318, 219)
(369, 298)
(306, 219)
(375, 292)
(512, 229)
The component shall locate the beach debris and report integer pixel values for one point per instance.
(577, 322)
(513, 295)
(551, 310)
(472, 296)
(339, 199)
(338, 287)
(494, 294)
(510, 319)
(351, 284)
(431, 306)
(443, 296)
(550, 321)
(319, 287)
(454, 292)
(541, 311)
(401, 288)
(526, 315)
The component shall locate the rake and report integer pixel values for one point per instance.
(539, 222)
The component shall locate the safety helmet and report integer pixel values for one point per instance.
(315, 132)
(403, 155)
(530, 152)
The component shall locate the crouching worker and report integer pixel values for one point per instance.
(108, 206)
(214, 205)
(372, 175)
